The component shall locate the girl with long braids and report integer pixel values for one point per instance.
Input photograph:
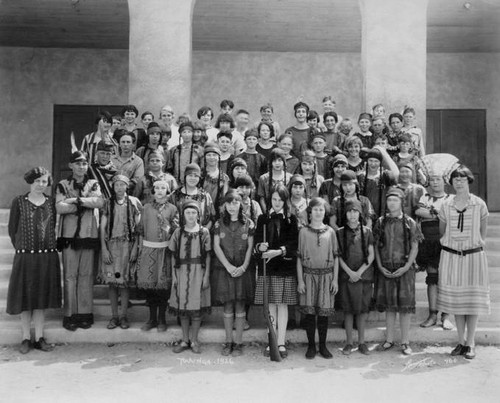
(119, 247)
(307, 169)
(231, 279)
(184, 154)
(191, 190)
(213, 180)
(356, 277)
(277, 174)
(380, 174)
(190, 295)
(396, 247)
(237, 169)
(349, 190)
(276, 239)
(317, 275)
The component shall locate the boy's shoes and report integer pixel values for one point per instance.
(42, 345)
(25, 346)
(182, 346)
(69, 324)
(347, 350)
(459, 350)
(363, 349)
(162, 327)
(124, 324)
(227, 348)
(150, 324)
(311, 351)
(406, 349)
(324, 352)
(237, 350)
(113, 323)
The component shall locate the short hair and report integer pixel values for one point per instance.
(104, 115)
(346, 121)
(224, 117)
(198, 126)
(364, 115)
(409, 109)
(167, 108)
(183, 118)
(146, 114)
(35, 173)
(328, 98)
(313, 115)
(251, 133)
(284, 136)
(395, 115)
(319, 201)
(332, 114)
(129, 108)
(204, 110)
(227, 102)
(271, 128)
(462, 172)
(240, 111)
(229, 135)
(116, 117)
(378, 106)
(266, 106)
(119, 133)
(353, 140)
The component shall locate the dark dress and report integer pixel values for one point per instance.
(282, 270)
(35, 281)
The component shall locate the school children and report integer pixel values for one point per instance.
(356, 275)
(153, 270)
(277, 174)
(231, 275)
(119, 246)
(184, 154)
(213, 179)
(308, 169)
(190, 294)
(298, 199)
(396, 246)
(317, 276)
(256, 162)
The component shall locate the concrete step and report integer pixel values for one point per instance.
(10, 333)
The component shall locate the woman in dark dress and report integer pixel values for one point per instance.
(35, 281)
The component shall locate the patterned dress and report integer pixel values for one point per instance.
(207, 210)
(121, 232)
(463, 287)
(35, 280)
(317, 252)
(153, 268)
(187, 297)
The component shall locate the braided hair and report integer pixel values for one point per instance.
(363, 244)
(406, 231)
(130, 225)
(380, 186)
(276, 153)
(220, 183)
(342, 205)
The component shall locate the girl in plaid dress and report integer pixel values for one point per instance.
(276, 240)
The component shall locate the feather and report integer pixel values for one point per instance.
(439, 164)
(73, 143)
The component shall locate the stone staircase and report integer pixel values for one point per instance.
(212, 330)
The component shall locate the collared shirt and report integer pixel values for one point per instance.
(132, 167)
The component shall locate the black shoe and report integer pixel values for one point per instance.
(323, 351)
(311, 352)
(69, 324)
(41, 344)
(459, 350)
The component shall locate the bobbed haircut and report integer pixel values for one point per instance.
(129, 108)
(224, 117)
(35, 173)
(318, 201)
(203, 111)
(271, 128)
(227, 102)
(395, 115)
(104, 115)
(462, 172)
(119, 133)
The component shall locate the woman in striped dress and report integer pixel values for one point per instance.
(463, 287)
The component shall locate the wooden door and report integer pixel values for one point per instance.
(79, 119)
(461, 132)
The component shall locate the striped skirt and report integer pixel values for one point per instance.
(463, 287)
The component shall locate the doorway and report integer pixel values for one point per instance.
(461, 132)
(79, 119)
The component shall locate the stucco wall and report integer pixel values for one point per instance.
(252, 79)
(32, 80)
(470, 81)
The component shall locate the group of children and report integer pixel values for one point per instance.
(330, 213)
